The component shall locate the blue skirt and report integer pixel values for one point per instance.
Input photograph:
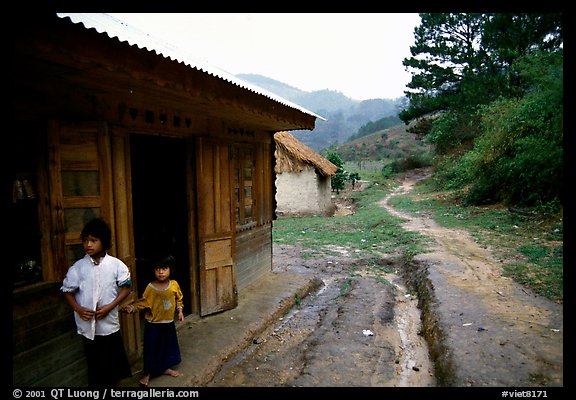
(161, 349)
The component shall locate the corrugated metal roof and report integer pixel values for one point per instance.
(115, 28)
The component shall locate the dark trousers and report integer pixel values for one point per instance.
(106, 359)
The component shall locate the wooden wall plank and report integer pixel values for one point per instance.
(124, 239)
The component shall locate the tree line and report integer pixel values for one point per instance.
(487, 91)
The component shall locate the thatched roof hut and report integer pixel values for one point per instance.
(291, 155)
(303, 178)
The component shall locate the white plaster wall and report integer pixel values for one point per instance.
(325, 194)
(305, 193)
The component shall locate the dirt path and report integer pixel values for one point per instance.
(355, 331)
(364, 328)
(498, 332)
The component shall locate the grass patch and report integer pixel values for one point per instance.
(368, 232)
(345, 287)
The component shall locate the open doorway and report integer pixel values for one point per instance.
(160, 208)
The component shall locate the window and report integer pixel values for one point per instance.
(48, 207)
(243, 186)
(24, 254)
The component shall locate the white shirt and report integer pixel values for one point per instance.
(95, 285)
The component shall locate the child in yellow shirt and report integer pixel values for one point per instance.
(162, 298)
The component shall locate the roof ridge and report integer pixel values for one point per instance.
(115, 28)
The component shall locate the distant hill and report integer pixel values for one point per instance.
(394, 143)
(272, 85)
(344, 116)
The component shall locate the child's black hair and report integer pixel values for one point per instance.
(164, 261)
(99, 229)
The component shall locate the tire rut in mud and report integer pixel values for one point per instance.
(346, 334)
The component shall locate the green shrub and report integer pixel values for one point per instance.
(519, 157)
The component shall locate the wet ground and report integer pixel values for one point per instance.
(448, 319)
(357, 330)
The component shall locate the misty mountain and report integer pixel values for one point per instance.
(344, 116)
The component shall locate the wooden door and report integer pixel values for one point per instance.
(81, 188)
(80, 184)
(216, 233)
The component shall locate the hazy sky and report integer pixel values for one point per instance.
(358, 54)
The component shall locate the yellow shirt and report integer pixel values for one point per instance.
(160, 304)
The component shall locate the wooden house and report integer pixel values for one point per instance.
(303, 178)
(175, 155)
